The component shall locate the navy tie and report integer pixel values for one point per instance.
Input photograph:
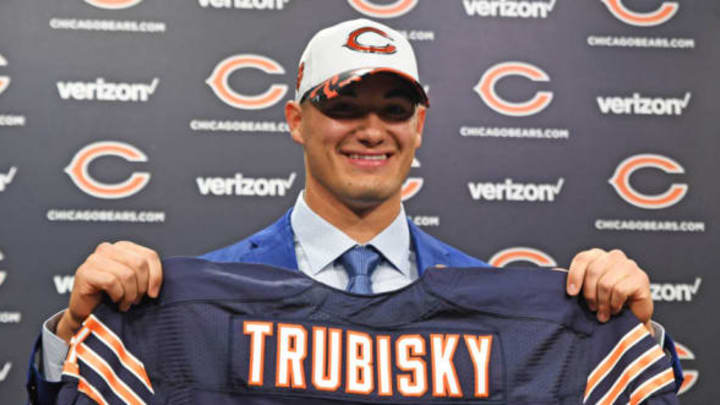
(360, 262)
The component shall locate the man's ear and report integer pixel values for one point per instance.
(293, 117)
(419, 124)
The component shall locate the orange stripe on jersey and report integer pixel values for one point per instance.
(642, 392)
(627, 342)
(92, 392)
(71, 366)
(94, 361)
(130, 362)
(630, 373)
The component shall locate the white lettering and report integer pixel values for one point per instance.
(63, 284)
(105, 91)
(681, 292)
(5, 371)
(238, 126)
(10, 317)
(639, 105)
(12, 120)
(245, 4)
(245, 186)
(508, 8)
(6, 179)
(511, 191)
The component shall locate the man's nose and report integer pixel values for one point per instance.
(372, 129)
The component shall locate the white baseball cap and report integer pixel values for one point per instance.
(346, 52)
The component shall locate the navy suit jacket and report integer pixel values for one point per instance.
(274, 246)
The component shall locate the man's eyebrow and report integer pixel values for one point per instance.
(399, 93)
(347, 91)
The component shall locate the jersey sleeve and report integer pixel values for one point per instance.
(99, 369)
(628, 366)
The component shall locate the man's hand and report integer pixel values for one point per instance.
(608, 281)
(125, 271)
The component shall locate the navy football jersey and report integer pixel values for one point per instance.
(222, 333)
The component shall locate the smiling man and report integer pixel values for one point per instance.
(359, 114)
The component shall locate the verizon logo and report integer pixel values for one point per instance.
(513, 191)
(675, 292)
(508, 8)
(5, 371)
(245, 4)
(7, 178)
(63, 284)
(640, 105)
(245, 186)
(101, 90)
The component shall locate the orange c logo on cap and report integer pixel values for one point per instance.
(218, 82)
(78, 170)
(665, 12)
(353, 43)
(394, 9)
(113, 4)
(621, 181)
(486, 89)
(525, 254)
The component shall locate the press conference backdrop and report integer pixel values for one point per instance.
(555, 126)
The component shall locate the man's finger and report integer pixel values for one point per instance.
(155, 276)
(89, 284)
(605, 290)
(623, 289)
(131, 259)
(578, 267)
(123, 273)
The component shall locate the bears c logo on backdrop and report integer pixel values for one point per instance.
(113, 4)
(218, 82)
(690, 376)
(4, 80)
(524, 254)
(391, 10)
(621, 181)
(665, 12)
(486, 89)
(412, 185)
(78, 170)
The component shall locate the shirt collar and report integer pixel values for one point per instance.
(322, 242)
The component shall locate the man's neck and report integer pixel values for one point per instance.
(360, 223)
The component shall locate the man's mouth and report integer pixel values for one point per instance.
(368, 157)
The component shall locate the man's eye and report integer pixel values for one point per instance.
(398, 112)
(342, 110)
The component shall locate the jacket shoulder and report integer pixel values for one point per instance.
(245, 250)
(431, 251)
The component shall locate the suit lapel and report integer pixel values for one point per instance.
(275, 245)
(428, 250)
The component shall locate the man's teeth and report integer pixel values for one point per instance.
(368, 157)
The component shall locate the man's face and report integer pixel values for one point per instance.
(359, 146)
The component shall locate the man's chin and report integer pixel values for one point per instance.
(368, 198)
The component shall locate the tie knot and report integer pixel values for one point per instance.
(360, 262)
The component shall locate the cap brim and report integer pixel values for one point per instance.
(330, 88)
